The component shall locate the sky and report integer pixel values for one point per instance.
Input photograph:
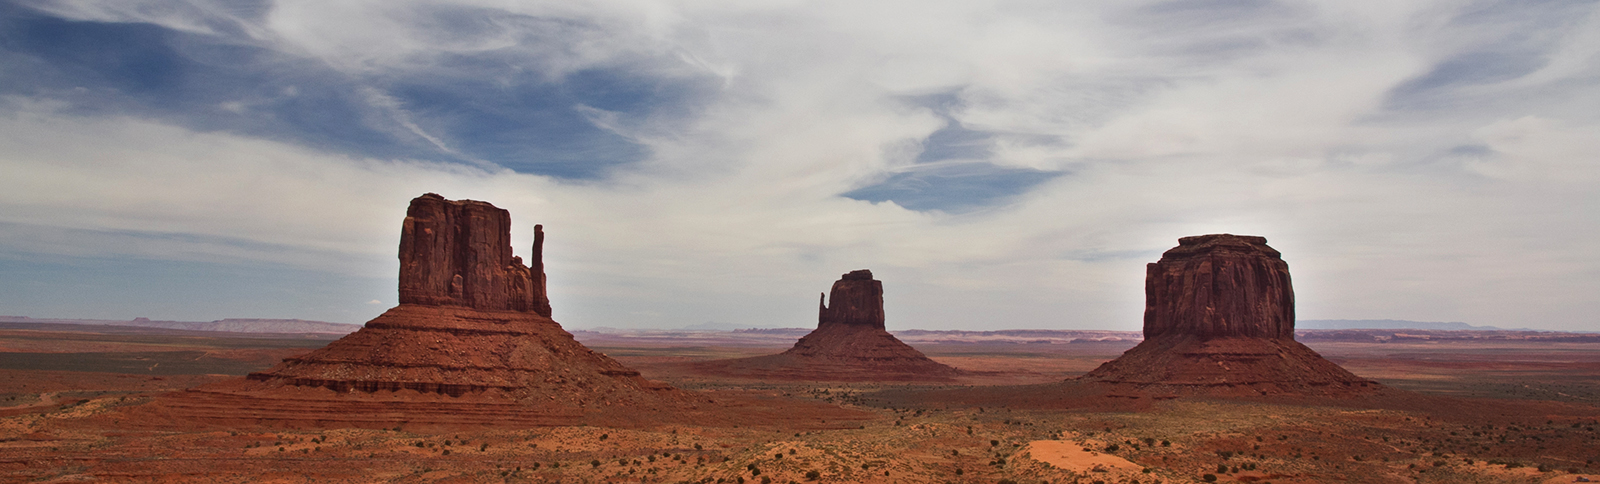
(997, 164)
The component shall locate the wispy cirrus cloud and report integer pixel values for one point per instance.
(996, 163)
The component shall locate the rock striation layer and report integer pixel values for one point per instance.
(857, 301)
(1219, 318)
(849, 344)
(458, 253)
(1219, 285)
(471, 343)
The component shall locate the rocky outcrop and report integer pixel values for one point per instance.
(849, 344)
(471, 337)
(857, 300)
(1219, 285)
(1219, 319)
(458, 253)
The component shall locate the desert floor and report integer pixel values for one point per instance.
(1501, 411)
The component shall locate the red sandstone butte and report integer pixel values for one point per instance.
(849, 344)
(1219, 318)
(458, 253)
(471, 343)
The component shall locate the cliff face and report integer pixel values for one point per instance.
(855, 300)
(470, 343)
(1219, 319)
(458, 253)
(1218, 286)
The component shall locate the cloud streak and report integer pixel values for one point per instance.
(998, 164)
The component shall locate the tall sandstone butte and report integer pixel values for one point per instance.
(857, 301)
(458, 253)
(471, 343)
(849, 344)
(1219, 285)
(1219, 318)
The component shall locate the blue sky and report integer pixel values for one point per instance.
(998, 164)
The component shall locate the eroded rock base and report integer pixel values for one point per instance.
(836, 352)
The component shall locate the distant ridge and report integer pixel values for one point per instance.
(232, 325)
(1392, 324)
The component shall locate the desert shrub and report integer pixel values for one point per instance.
(994, 443)
(1166, 444)
(1544, 468)
(605, 436)
(960, 472)
(1006, 481)
(483, 447)
(1209, 478)
(1113, 448)
(1222, 468)
(446, 452)
(1149, 441)
(813, 475)
(697, 447)
(594, 463)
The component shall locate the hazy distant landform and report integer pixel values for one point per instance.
(1392, 324)
(290, 326)
(230, 325)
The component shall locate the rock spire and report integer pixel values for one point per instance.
(857, 300)
(458, 253)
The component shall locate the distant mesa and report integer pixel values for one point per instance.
(265, 327)
(1219, 318)
(849, 344)
(471, 343)
(1218, 322)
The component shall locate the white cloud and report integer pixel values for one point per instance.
(1269, 122)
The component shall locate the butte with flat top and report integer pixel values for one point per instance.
(1219, 319)
(1218, 322)
(471, 344)
(849, 344)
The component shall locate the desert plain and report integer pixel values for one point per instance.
(1456, 406)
